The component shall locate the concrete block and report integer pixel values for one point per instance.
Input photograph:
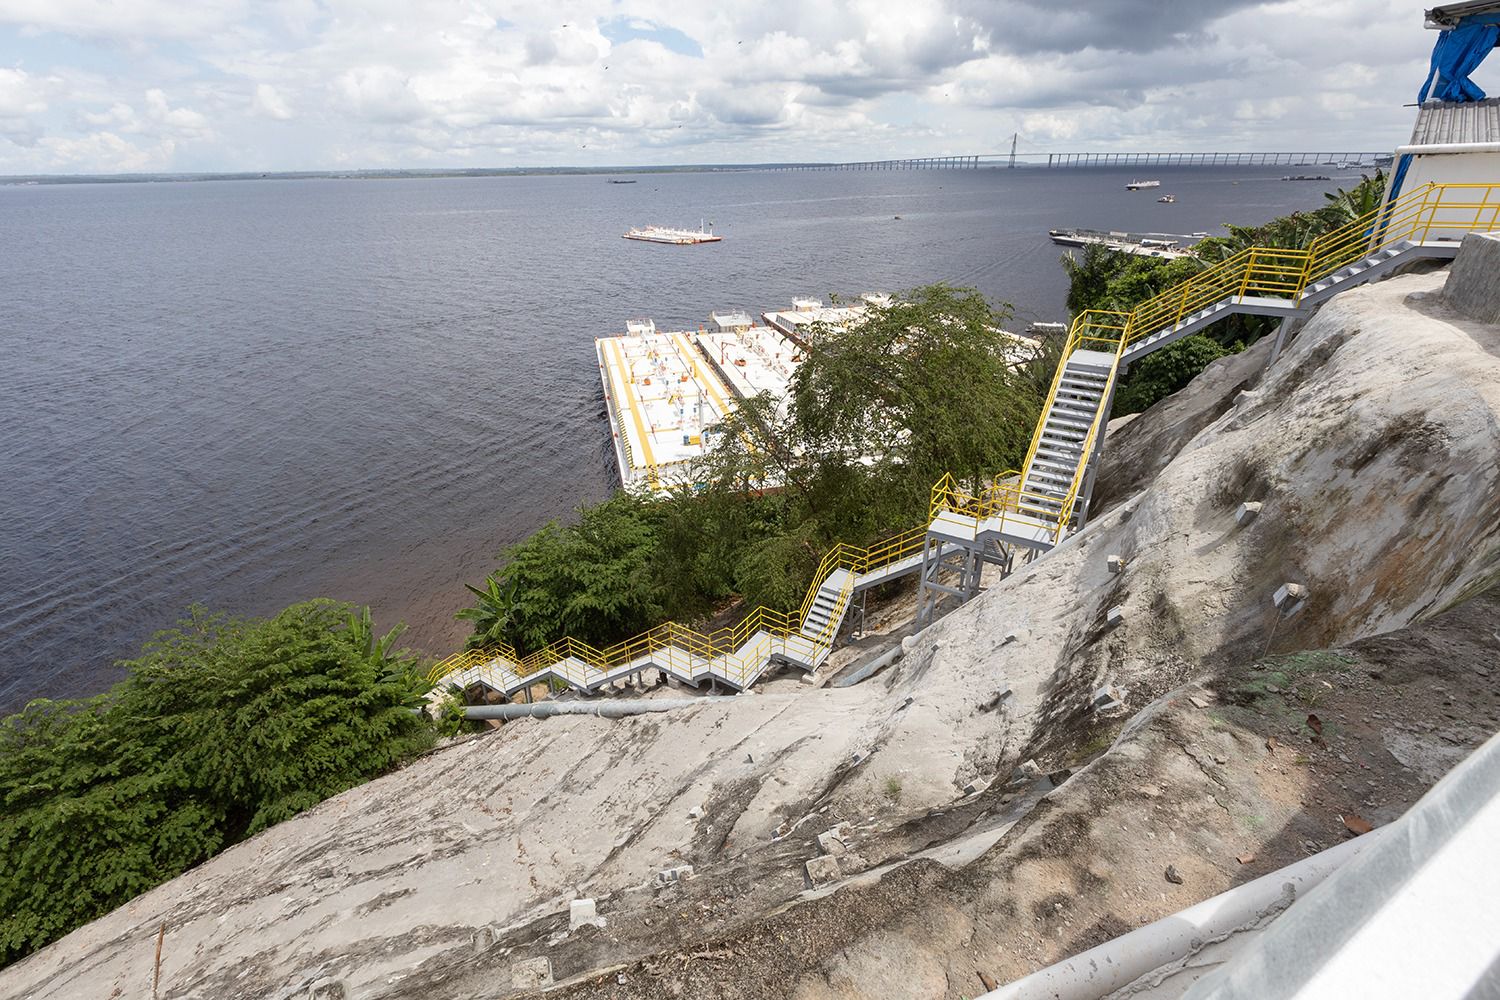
(1471, 287)
(671, 876)
(1289, 598)
(583, 913)
(1116, 564)
(858, 757)
(976, 786)
(1027, 771)
(834, 841)
(531, 973)
(1249, 511)
(810, 680)
(1108, 698)
(823, 870)
(1114, 616)
(695, 813)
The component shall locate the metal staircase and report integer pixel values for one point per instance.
(1015, 515)
(734, 658)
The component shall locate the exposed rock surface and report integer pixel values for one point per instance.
(1371, 447)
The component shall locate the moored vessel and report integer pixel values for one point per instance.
(678, 237)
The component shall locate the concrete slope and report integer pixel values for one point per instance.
(1371, 447)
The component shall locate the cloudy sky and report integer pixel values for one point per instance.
(160, 85)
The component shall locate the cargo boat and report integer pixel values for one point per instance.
(1142, 185)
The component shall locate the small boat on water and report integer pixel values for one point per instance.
(676, 237)
(1142, 185)
(1168, 199)
(1307, 177)
(612, 181)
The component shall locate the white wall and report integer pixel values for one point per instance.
(1458, 168)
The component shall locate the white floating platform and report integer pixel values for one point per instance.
(662, 397)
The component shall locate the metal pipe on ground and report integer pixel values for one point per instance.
(602, 709)
(870, 669)
(1120, 962)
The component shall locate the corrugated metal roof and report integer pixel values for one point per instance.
(1447, 121)
(1448, 14)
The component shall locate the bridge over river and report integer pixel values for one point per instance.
(975, 161)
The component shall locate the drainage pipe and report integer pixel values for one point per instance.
(868, 670)
(1118, 963)
(602, 709)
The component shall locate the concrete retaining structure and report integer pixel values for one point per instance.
(1474, 280)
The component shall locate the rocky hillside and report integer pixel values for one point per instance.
(962, 816)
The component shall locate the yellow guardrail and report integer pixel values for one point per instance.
(1271, 272)
(1431, 210)
(580, 663)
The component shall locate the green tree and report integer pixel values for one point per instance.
(221, 728)
(928, 383)
(1163, 372)
(591, 580)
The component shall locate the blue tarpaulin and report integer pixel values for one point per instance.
(1458, 52)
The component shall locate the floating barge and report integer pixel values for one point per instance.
(1159, 245)
(676, 237)
(665, 391)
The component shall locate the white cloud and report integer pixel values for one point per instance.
(427, 82)
(268, 103)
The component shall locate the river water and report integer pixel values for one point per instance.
(248, 393)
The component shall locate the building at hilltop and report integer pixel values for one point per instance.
(1456, 139)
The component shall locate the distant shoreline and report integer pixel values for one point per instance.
(18, 180)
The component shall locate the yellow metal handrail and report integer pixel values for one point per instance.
(1278, 272)
(727, 644)
(1271, 272)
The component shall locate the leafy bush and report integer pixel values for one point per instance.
(222, 727)
(1163, 372)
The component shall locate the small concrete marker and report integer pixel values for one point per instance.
(1109, 698)
(823, 870)
(833, 841)
(1249, 511)
(1114, 616)
(695, 813)
(1290, 598)
(1116, 564)
(671, 876)
(583, 913)
(976, 786)
(531, 973)
(1288, 592)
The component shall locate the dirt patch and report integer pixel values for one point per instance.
(1247, 775)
